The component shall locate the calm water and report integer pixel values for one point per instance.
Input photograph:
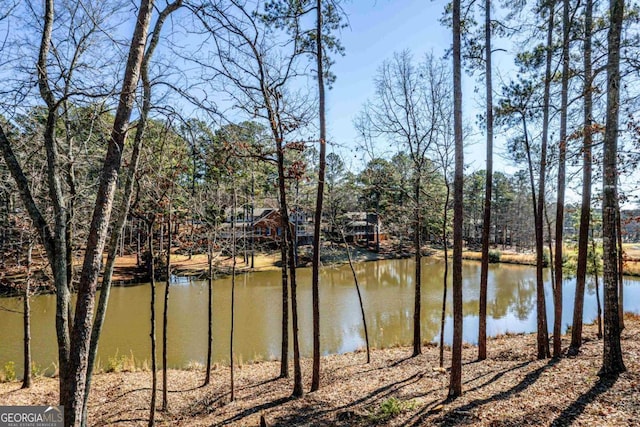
(388, 297)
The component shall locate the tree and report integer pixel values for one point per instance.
(585, 211)
(123, 211)
(455, 383)
(257, 71)
(73, 347)
(612, 363)
(562, 154)
(486, 218)
(406, 111)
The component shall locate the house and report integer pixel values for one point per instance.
(265, 225)
(359, 226)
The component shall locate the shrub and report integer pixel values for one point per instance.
(390, 408)
(494, 256)
(8, 372)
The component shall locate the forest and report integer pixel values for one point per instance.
(143, 142)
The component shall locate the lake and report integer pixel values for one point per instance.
(387, 287)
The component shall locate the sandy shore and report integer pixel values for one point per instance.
(510, 388)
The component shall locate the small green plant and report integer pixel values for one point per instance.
(115, 363)
(36, 370)
(390, 408)
(8, 372)
(494, 256)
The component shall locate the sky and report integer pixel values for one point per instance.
(377, 29)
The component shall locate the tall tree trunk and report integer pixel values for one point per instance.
(58, 257)
(620, 264)
(612, 363)
(355, 280)
(315, 269)
(75, 377)
(233, 294)
(541, 307)
(445, 276)
(486, 221)
(288, 239)
(118, 228)
(585, 210)
(207, 378)
(417, 335)
(165, 312)
(284, 341)
(595, 276)
(455, 385)
(26, 319)
(154, 362)
(562, 155)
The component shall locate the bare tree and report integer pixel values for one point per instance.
(73, 347)
(257, 72)
(405, 111)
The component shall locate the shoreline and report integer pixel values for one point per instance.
(510, 388)
(127, 273)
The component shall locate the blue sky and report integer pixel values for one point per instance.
(378, 28)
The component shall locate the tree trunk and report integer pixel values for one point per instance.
(165, 313)
(486, 222)
(417, 335)
(118, 228)
(207, 378)
(315, 269)
(585, 211)
(154, 363)
(595, 275)
(562, 155)
(541, 308)
(455, 385)
(445, 276)
(284, 347)
(233, 294)
(26, 318)
(355, 280)
(620, 264)
(612, 363)
(75, 378)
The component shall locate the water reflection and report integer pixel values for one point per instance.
(387, 290)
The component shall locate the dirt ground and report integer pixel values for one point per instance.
(510, 388)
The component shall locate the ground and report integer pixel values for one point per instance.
(510, 388)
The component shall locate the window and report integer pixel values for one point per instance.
(268, 229)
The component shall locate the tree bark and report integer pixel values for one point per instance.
(165, 312)
(118, 228)
(26, 318)
(315, 269)
(417, 309)
(207, 378)
(455, 385)
(585, 210)
(620, 264)
(445, 276)
(562, 155)
(154, 362)
(486, 221)
(541, 307)
(75, 378)
(612, 363)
